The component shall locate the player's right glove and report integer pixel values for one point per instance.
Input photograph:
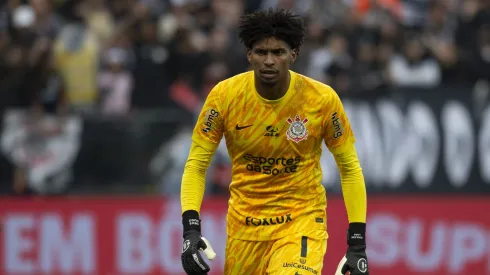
(192, 261)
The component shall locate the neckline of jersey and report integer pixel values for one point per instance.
(288, 93)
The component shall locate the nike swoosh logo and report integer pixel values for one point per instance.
(242, 127)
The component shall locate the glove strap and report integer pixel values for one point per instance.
(191, 221)
(356, 235)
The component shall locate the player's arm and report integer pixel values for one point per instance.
(353, 187)
(193, 179)
(206, 137)
(340, 140)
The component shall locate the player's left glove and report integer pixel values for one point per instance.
(355, 260)
(192, 261)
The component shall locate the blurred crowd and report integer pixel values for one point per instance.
(117, 56)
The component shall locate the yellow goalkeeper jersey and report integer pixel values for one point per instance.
(275, 148)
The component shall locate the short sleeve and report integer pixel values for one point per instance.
(209, 126)
(338, 131)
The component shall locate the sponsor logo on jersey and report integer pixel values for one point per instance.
(238, 127)
(338, 128)
(209, 120)
(297, 129)
(268, 221)
(300, 266)
(271, 131)
(272, 166)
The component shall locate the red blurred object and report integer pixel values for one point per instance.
(363, 6)
(142, 235)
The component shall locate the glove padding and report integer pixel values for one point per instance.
(354, 261)
(192, 261)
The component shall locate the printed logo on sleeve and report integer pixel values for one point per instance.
(209, 120)
(337, 126)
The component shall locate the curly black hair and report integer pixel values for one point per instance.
(282, 24)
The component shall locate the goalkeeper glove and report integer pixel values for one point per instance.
(355, 260)
(192, 261)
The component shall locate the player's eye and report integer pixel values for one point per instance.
(279, 52)
(261, 52)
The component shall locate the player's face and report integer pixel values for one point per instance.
(270, 60)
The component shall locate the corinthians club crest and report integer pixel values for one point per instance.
(297, 129)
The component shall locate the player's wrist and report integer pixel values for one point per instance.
(356, 234)
(191, 221)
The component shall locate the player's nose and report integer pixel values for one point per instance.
(269, 60)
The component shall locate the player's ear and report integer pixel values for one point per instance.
(249, 55)
(294, 54)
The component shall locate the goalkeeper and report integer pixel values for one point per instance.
(274, 121)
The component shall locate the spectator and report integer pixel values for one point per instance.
(76, 55)
(21, 56)
(471, 17)
(368, 73)
(99, 20)
(477, 62)
(302, 7)
(154, 71)
(116, 84)
(225, 48)
(48, 89)
(47, 23)
(412, 68)
(335, 51)
(438, 37)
